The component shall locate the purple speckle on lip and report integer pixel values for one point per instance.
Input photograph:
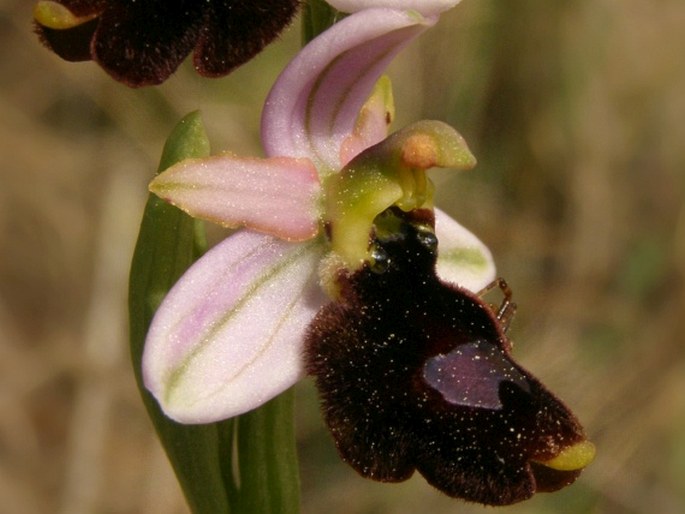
(471, 374)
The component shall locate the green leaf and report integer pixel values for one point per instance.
(317, 17)
(168, 243)
(267, 459)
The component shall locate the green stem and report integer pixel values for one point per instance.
(317, 17)
(168, 243)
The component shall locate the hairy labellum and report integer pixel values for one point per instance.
(416, 374)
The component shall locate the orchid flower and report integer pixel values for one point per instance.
(343, 267)
(229, 335)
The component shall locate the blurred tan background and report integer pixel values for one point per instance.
(576, 111)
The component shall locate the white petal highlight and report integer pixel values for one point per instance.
(279, 196)
(315, 102)
(425, 7)
(462, 258)
(228, 336)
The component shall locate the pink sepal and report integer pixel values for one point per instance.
(228, 336)
(315, 102)
(462, 258)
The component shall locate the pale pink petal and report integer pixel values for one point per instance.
(425, 7)
(315, 102)
(229, 334)
(279, 196)
(462, 258)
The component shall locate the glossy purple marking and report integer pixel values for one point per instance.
(471, 374)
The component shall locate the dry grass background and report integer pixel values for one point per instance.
(575, 110)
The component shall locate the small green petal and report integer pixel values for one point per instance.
(372, 123)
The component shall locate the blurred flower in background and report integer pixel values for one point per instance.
(141, 43)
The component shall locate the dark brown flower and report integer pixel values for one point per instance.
(416, 374)
(142, 42)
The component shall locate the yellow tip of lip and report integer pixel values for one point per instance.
(572, 458)
(55, 16)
